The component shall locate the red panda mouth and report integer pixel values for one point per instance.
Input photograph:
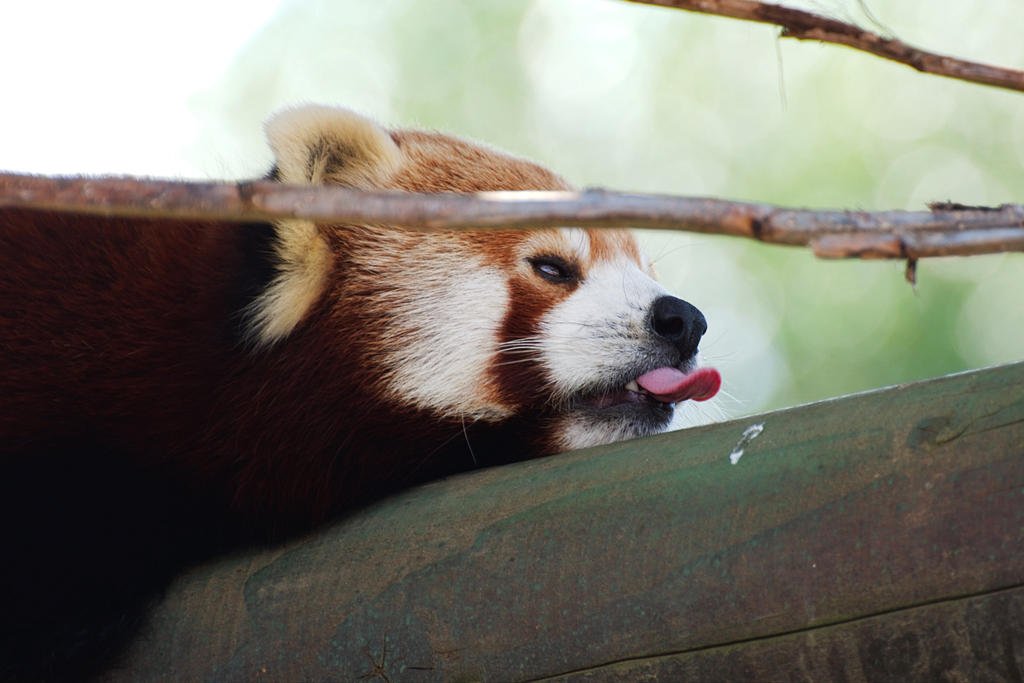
(665, 385)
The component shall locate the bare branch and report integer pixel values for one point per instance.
(947, 229)
(804, 25)
(919, 245)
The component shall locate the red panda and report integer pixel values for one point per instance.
(164, 384)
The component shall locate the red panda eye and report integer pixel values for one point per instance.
(551, 271)
(554, 269)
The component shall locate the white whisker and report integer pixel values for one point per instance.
(465, 434)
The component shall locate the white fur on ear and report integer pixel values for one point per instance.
(315, 145)
(304, 261)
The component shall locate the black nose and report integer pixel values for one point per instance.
(679, 322)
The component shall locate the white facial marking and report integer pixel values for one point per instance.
(579, 242)
(444, 335)
(598, 329)
(576, 431)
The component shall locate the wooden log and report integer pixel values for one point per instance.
(968, 639)
(877, 536)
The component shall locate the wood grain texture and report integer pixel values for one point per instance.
(869, 531)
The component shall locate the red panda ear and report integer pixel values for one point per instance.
(316, 145)
(313, 145)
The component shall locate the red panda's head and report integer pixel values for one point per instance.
(563, 327)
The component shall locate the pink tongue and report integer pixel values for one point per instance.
(670, 385)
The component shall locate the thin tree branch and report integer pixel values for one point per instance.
(915, 245)
(945, 230)
(803, 25)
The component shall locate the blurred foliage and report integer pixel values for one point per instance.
(648, 99)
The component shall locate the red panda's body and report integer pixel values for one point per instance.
(133, 344)
(167, 385)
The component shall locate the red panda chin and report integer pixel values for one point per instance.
(644, 414)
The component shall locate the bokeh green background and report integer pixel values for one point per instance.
(638, 98)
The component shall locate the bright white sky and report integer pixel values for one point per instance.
(81, 74)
